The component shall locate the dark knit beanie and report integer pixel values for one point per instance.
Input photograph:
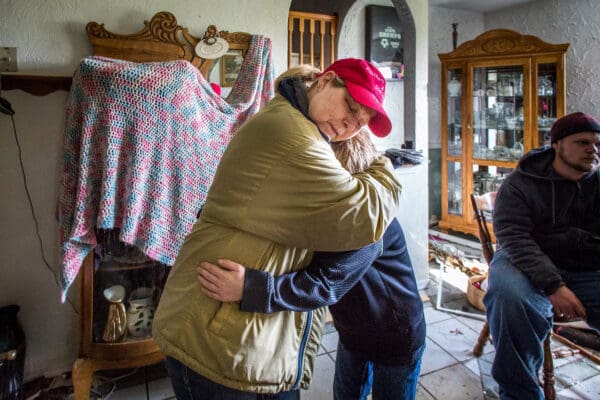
(573, 123)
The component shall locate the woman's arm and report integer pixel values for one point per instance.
(328, 277)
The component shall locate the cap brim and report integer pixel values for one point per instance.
(380, 124)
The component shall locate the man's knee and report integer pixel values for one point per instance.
(504, 299)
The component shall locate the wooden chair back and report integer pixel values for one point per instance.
(483, 206)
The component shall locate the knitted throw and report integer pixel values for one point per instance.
(141, 146)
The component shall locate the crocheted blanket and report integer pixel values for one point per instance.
(141, 146)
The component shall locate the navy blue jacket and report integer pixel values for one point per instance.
(547, 223)
(372, 294)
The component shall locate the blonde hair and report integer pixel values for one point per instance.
(357, 153)
(306, 72)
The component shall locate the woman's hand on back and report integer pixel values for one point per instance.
(223, 282)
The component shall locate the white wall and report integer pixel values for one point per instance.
(576, 22)
(413, 214)
(470, 25)
(50, 36)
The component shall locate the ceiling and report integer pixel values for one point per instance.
(481, 6)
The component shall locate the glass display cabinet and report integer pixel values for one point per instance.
(501, 93)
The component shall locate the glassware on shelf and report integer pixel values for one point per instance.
(511, 122)
(519, 87)
(487, 178)
(507, 88)
(140, 313)
(516, 151)
(455, 146)
(545, 87)
(500, 138)
(546, 96)
(454, 87)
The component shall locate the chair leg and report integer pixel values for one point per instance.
(549, 391)
(484, 335)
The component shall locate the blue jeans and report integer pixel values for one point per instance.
(355, 376)
(188, 385)
(520, 318)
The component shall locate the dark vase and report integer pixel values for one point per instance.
(12, 354)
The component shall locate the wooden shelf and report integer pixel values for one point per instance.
(38, 85)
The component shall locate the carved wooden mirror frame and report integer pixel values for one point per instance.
(161, 39)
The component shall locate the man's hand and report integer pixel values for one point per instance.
(223, 282)
(566, 305)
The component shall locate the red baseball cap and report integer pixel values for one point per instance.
(366, 85)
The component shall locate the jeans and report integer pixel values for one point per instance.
(520, 318)
(188, 385)
(355, 376)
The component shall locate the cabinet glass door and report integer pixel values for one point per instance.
(546, 101)
(455, 188)
(498, 112)
(454, 122)
(455, 139)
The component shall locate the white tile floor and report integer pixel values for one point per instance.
(449, 371)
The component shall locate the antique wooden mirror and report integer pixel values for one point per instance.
(162, 39)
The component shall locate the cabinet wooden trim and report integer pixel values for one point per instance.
(501, 43)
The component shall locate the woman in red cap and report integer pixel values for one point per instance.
(378, 355)
(278, 194)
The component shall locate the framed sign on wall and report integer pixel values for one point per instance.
(383, 42)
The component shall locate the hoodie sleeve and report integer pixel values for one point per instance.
(328, 277)
(513, 227)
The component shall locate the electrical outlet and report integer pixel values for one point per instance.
(8, 59)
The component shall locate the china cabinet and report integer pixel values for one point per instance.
(501, 92)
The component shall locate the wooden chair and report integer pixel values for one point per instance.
(483, 205)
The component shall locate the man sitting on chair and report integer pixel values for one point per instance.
(547, 226)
